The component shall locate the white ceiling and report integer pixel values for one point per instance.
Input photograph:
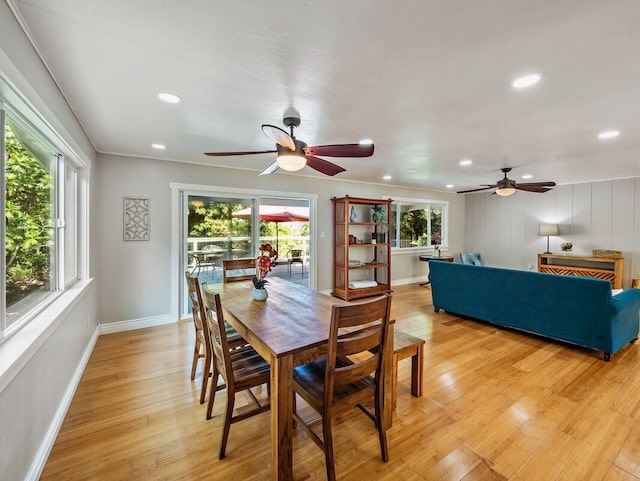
(427, 80)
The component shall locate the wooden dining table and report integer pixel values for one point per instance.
(290, 328)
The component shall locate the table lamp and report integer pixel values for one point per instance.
(548, 230)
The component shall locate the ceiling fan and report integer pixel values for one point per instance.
(505, 187)
(293, 154)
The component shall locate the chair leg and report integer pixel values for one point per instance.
(196, 356)
(231, 399)
(382, 432)
(328, 447)
(294, 409)
(212, 392)
(206, 371)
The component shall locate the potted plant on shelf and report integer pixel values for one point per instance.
(566, 247)
(378, 214)
(264, 263)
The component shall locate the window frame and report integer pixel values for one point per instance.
(428, 204)
(21, 113)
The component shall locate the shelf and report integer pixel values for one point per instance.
(365, 266)
(363, 228)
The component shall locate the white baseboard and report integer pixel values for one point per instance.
(54, 428)
(408, 280)
(121, 326)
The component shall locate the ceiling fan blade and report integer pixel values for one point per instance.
(476, 190)
(341, 150)
(538, 184)
(271, 169)
(279, 136)
(323, 166)
(529, 188)
(248, 152)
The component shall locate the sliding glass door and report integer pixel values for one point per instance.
(220, 226)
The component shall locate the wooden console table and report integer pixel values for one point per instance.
(605, 268)
(428, 258)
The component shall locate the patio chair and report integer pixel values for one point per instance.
(295, 256)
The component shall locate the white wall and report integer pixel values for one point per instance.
(598, 215)
(39, 364)
(135, 276)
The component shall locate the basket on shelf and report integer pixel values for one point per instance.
(606, 253)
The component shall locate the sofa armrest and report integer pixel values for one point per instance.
(625, 321)
(625, 301)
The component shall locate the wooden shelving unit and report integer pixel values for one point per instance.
(362, 240)
(605, 268)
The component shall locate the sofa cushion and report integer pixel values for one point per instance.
(471, 258)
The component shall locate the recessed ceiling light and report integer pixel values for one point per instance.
(608, 134)
(527, 176)
(366, 142)
(450, 186)
(386, 177)
(466, 162)
(169, 98)
(159, 146)
(526, 81)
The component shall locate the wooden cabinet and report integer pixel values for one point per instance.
(362, 251)
(599, 267)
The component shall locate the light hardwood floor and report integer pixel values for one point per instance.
(497, 405)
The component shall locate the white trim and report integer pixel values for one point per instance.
(21, 108)
(132, 324)
(20, 347)
(233, 190)
(37, 466)
(407, 280)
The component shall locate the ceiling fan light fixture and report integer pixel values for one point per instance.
(169, 97)
(526, 81)
(505, 191)
(291, 162)
(608, 134)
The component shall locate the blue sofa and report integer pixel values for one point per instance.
(578, 310)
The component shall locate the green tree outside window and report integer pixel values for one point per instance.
(28, 220)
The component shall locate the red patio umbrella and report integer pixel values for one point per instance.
(276, 213)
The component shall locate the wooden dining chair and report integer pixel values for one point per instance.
(351, 374)
(241, 369)
(202, 348)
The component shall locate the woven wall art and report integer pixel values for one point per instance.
(136, 219)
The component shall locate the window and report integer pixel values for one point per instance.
(40, 228)
(418, 223)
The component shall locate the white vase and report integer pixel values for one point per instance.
(352, 214)
(259, 294)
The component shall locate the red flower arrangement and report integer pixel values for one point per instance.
(264, 262)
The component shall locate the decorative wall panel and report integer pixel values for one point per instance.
(136, 219)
